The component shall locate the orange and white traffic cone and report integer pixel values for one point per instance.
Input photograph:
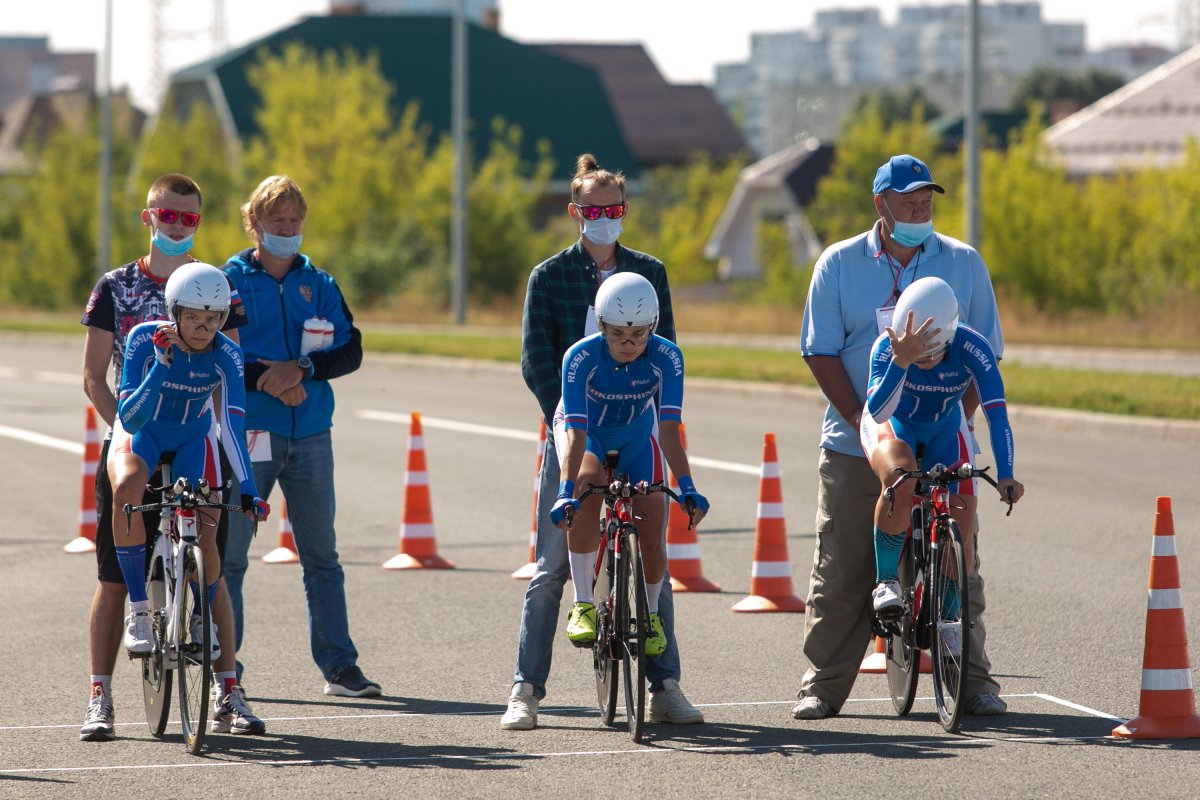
(771, 574)
(418, 548)
(1167, 707)
(876, 661)
(85, 542)
(526, 572)
(286, 552)
(683, 545)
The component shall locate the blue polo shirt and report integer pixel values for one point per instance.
(854, 278)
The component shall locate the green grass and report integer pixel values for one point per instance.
(1144, 395)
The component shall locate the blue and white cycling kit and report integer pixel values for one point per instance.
(166, 408)
(614, 402)
(921, 406)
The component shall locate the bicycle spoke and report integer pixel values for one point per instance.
(950, 610)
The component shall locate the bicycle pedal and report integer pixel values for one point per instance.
(139, 656)
(890, 614)
(583, 645)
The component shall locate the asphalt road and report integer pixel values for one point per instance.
(1066, 584)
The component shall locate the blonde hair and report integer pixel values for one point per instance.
(588, 171)
(274, 192)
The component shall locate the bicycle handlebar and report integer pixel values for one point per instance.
(940, 475)
(623, 488)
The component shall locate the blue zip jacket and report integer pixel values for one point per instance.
(276, 311)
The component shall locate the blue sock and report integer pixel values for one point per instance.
(211, 591)
(951, 603)
(887, 555)
(133, 569)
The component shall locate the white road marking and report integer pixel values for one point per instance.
(526, 436)
(61, 378)
(42, 440)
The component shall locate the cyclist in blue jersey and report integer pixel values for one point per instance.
(612, 383)
(918, 377)
(175, 374)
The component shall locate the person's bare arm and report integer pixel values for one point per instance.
(97, 356)
(835, 383)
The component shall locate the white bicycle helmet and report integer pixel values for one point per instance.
(627, 299)
(200, 286)
(929, 297)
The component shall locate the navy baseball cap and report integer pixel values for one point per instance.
(904, 174)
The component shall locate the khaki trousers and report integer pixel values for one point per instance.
(837, 623)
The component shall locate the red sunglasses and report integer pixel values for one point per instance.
(168, 216)
(591, 213)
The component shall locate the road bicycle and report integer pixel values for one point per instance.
(936, 611)
(176, 587)
(622, 614)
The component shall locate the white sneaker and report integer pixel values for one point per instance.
(233, 715)
(886, 598)
(812, 707)
(951, 637)
(195, 635)
(137, 633)
(522, 709)
(669, 705)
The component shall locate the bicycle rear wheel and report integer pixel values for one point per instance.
(950, 615)
(903, 654)
(156, 667)
(194, 664)
(602, 649)
(632, 589)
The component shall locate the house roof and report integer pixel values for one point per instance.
(549, 97)
(31, 120)
(663, 123)
(1145, 123)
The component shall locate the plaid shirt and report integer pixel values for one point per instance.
(561, 291)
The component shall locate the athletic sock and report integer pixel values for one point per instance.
(653, 590)
(225, 683)
(105, 684)
(887, 555)
(583, 570)
(133, 570)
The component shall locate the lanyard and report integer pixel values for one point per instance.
(897, 270)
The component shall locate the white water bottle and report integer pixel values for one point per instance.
(313, 337)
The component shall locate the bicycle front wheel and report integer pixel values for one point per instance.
(194, 664)
(602, 648)
(635, 620)
(950, 616)
(903, 654)
(156, 668)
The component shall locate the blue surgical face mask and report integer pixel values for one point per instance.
(281, 246)
(171, 247)
(910, 234)
(602, 230)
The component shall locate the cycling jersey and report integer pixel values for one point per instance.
(167, 407)
(614, 402)
(927, 401)
(130, 295)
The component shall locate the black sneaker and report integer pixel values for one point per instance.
(351, 682)
(98, 724)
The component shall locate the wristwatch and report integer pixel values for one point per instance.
(305, 363)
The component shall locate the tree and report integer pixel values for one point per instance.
(895, 106)
(1045, 84)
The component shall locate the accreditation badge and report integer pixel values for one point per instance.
(883, 318)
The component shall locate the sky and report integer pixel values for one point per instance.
(685, 39)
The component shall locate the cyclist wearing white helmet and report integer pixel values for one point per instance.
(171, 371)
(611, 382)
(921, 366)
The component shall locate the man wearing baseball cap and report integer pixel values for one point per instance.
(855, 285)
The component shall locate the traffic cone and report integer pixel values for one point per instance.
(1167, 708)
(418, 548)
(286, 552)
(526, 572)
(683, 546)
(85, 542)
(771, 574)
(876, 661)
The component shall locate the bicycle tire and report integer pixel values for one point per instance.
(903, 655)
(194, 660)
(948, 577)
(157, 667)
(633, 635)
(602, 649)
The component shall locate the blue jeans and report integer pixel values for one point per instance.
(304, 469)
(539, 614)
